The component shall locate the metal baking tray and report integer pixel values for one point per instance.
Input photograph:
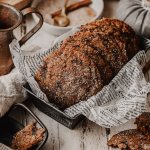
(52, 111)
(9, 126)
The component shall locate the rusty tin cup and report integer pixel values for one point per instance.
(11, 18)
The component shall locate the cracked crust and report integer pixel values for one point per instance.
(86, 61)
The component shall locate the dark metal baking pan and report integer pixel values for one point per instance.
(9, 126)
(52, 111)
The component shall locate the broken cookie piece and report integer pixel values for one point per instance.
(27, 137)
(143, 123)
(130, 140)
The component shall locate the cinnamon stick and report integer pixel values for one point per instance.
(73, 7)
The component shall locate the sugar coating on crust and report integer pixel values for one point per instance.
(86, 61)
(70, 80)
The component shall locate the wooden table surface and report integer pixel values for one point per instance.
(87, 135)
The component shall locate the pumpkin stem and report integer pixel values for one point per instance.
(146, 3)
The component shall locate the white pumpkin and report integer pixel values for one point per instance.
(136, 13)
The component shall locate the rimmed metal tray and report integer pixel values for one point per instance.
(10, 126)
(52, 111)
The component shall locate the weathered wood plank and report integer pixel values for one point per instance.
(53, 142)
(87, 136)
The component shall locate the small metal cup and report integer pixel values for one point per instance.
(11, 18)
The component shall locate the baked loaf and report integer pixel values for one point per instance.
(86, 61)
(130, 140)
(143, 123)
(27, 137)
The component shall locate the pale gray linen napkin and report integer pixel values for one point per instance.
(11, 90)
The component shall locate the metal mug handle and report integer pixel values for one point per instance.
(34, 29)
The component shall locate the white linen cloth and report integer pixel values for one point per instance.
(11, 90)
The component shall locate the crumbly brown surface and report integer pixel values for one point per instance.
(143, 123)
(27, 137)
(86, 61)
(130, 140)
